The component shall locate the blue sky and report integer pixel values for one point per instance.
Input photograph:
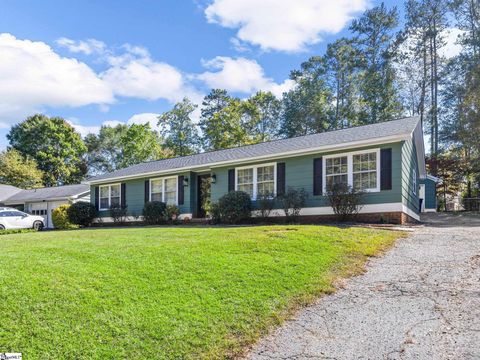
(104, 62)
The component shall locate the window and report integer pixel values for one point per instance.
(109, 196)
(245, 181)
(365, 171)
(414, 181)
(164, 189)
(360, 170)
(336, 170)
(257, 180)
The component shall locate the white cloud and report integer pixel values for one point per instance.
(283, 25)
(136, 74)
(240, 75)
(112, 123)
(452, 48)
(144, 118)
(83, 130)
(33, 76)
(88, 47)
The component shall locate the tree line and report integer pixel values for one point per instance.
(379, 73)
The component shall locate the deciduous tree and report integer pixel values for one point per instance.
(57, 148)
(19, 171)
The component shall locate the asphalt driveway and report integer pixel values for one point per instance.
(419, 301)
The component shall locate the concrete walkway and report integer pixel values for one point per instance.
(419, 301)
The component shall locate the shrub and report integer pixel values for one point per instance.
(154, 212)
(82, 213)
(172, 212)
(235, 207)
(265, 205)
(118, 213)
(344, 200)
(215, 213)
(292, 202)
(60, 218)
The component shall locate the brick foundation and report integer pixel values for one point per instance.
(384, 217)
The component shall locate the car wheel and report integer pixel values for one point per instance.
(38, 225)
(2, 227)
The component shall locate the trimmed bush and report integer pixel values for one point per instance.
(235, 207)
(292, 203)
(172, 212)
(215, 213)
(344, 200)
(265, 204)
(154, 212)
(82, 213)
(60, 218)
(119, 214)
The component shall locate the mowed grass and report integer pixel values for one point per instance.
(166, 293)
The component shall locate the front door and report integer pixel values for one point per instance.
(203, 194)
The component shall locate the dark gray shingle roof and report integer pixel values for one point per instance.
(359, 133)
(57, 192)
(7, 191)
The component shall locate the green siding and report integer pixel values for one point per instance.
(299, 174)
(410, 196)
(135, 195)
(430, 194)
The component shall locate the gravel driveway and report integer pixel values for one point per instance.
(419, 301)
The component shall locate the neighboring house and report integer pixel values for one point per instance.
(386, 160)
(428, 193)
(43, 200)
(7, 191)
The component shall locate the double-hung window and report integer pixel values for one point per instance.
(258, 180)
(365, 171)
(360, 170)
(336, 170)
(109, 196)
(164, 189)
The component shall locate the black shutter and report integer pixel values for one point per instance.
(317, 176)
(231, 180)
(386, 169)
(181, 193)
(97, 198)
(147, 191)
(123, 195)
(280, 178)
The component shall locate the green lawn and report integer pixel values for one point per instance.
(166, 293)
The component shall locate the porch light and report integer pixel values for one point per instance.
(214, 178)
(185, 181)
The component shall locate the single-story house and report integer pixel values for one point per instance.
(386, 160)
(42, 201)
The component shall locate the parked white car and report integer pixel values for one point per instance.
(14, 219)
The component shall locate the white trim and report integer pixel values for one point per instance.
(365, 209)
(255, 168)
(410, 213)
(349, 156)
(109, 196)
(163, 188)
(287, 154)
(430, 210)
(434, 178)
